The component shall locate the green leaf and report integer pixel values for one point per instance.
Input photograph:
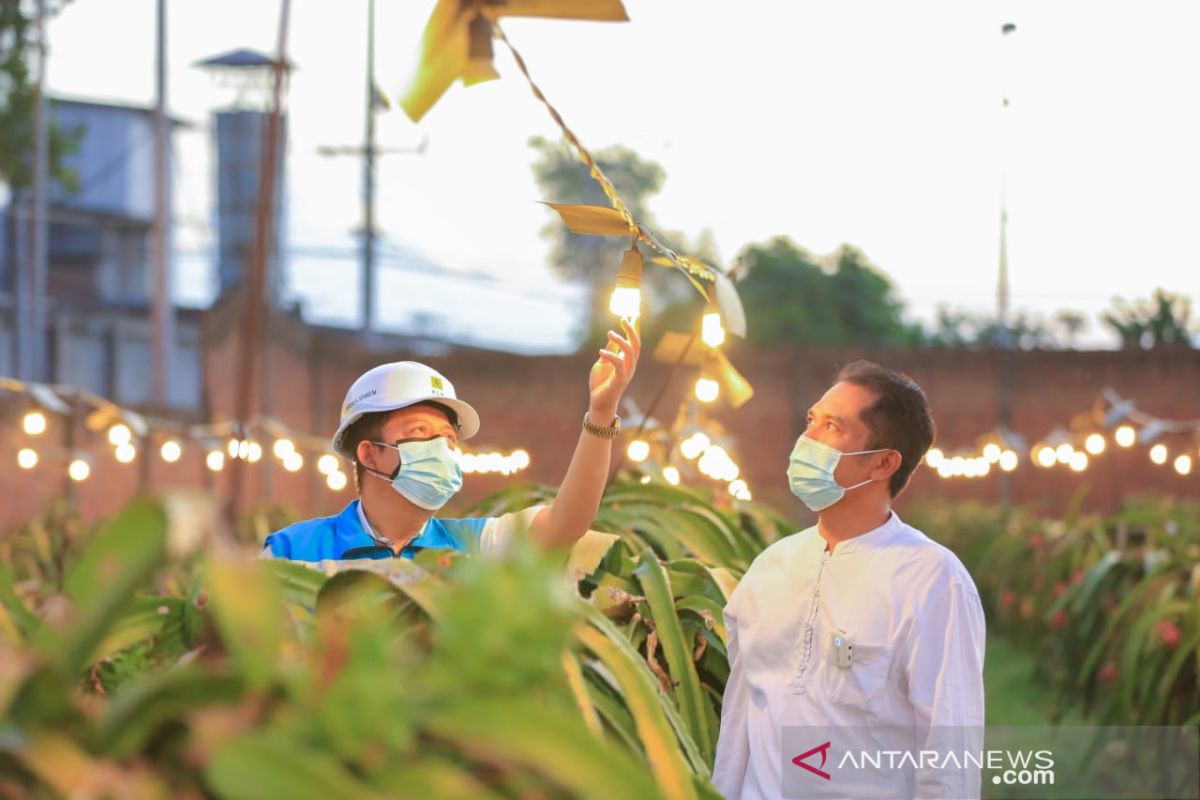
(265, 766)
(247, 605)
(544, 738)
(678, 651)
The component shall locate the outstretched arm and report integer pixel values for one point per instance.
(566, 519)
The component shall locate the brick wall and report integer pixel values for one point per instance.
(537, 403)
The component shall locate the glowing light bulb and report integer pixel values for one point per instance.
(215, 460)
(982, 467)
(34, 423)
(1064, 452)
(1125, 436)
(645, 479)
(125, 452)
(327, 464)
(170, 451)
(991, 451)
(1183, 464)
(1079, 461)
(694, 445)
(79, 470)
(707, 390)
(293, 461)
(336, 480)
(282, 447)
(671, 475)
(945, 469)
(934, 457)
(737, 487)
(253, 452)
(119, 434)
(711, 331)
(1008, 461)
(638, 450)
(626, 300)
(1094, 444)
(520, 459)
(1045, 456)
(27, 458)
(234, 448)
(1158, 454)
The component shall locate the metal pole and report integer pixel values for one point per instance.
(368, 245)
(254, 286)
(1005, 377)
(163, 339)
(41, 153)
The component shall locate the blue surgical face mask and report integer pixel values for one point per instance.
(428, 475)
(810, 473)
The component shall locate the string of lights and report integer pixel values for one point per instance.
(129, 434)
(1113, 420)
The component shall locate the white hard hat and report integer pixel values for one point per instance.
(399, 385)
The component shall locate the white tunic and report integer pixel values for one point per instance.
(913, 615)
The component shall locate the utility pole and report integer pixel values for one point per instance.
(163, 338)
(1004, 480)
(369, 152)
(368, 243)
(36, 341)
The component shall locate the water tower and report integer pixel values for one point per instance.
(240, 136)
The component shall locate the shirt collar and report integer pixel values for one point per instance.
(871, 539)
(370, 537)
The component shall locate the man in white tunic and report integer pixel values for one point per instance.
(858, 624)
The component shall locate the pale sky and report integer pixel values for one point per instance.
(872, 123)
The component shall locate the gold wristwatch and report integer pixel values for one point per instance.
(611, 432)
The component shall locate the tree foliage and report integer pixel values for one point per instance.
(800, 299)
(1162, 321)
(17, 45)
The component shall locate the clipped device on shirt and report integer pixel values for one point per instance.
(843, 649)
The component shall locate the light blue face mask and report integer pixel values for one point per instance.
(810, 473)
(428, 475)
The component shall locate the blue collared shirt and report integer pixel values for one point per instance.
(344, 536)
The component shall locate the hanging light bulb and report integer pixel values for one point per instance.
(125, 452)
(1079, 461)
(738, 487)
(1158, 454)
(119, 434)
(671, 475)
(215, 460)
(626, 300)
(711, 331)
(707, 390)
(991, 451)
(27, 458)
(1094, 444)
(327, 464)
(520, 459)
(1125, 436)
(934, 457)
(1045, 456)
(282, 447)
(1183, 464)
(336, 480)
(34, 423)
(170, 451)
(79, 470)
(638, 450)
(234, 448)
(1008, 461)
(1064, 452)
(293, 461)
(253, 452)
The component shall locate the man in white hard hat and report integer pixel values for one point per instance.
(401, 424)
